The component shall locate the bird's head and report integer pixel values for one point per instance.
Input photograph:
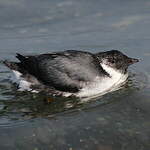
(116, 60)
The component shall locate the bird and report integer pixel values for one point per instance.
(71, 72)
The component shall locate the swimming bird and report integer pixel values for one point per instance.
(71, 72)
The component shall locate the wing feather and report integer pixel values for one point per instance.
(65, 71)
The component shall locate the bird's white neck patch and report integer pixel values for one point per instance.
(116, 76)
(102, 85)
(111, 71)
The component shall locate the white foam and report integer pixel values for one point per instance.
(23, 84)
(15, 76)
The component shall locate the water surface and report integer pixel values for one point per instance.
(116, 121)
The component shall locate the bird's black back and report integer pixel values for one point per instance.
(64, 71)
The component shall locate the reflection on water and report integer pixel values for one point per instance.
(116, 121)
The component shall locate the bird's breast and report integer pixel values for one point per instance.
(101, 85)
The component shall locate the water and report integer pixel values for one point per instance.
(116, 121)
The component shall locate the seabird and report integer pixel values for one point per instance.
(71, 72)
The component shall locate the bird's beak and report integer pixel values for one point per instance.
(132, 61)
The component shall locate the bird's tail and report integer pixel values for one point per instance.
(20, 57)
(18, 66)
(11, 65)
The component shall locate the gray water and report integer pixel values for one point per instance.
(116, 121)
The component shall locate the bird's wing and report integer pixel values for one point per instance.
(64, 70)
